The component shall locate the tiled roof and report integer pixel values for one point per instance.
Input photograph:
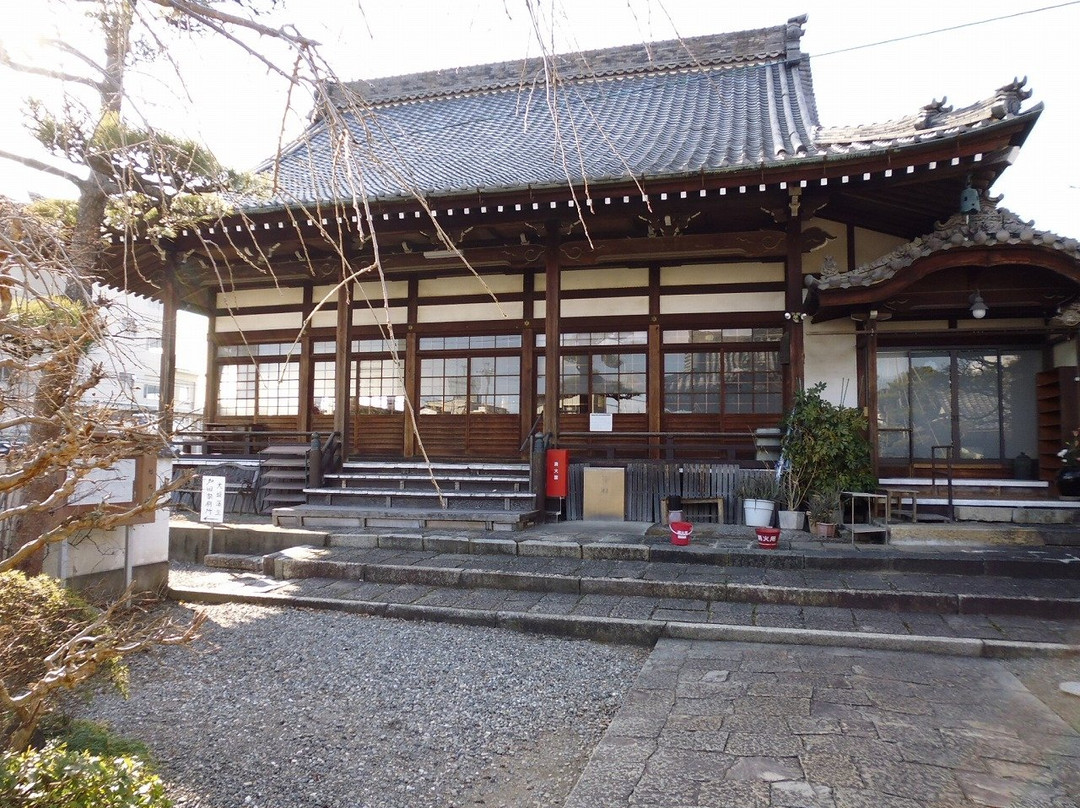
(935, 121)
(991, 226)
(665, 110)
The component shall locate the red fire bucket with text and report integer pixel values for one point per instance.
(680, 533)
(767, 537)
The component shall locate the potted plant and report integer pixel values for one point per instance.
(824, 507)
(826, 446)
(790, 516)
(758, 489)
(1068, 477)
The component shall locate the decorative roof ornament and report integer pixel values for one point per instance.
(829, 267)
(1009, 98)
(989, 227)
(932, 112)
(794, 32)
(1068, 317)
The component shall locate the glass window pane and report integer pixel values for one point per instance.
(1018, 402)
(323, 392)
(236, 390)
(894, 411)
(978, 405)
(279, 388)
(930, 388)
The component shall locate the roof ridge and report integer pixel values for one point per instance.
(740, 47)
(1006, 102)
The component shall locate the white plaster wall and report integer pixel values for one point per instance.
(245, 298)
(253, 323)
(699, 274)
(374, 316)
(607, 278)
(470, 285)
(870, 245)
(373, 291)
(831, 357)
(103, 550)
(721, 303)
(469, 312)
(1065, 354)
(612, 306)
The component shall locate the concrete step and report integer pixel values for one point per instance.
(241, 562)
(345, 517)
(552, 571)
(422, 469)
(428, 499)
(640, 620)
(449, 482)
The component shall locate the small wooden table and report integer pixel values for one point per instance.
(894, 495)
(869, 526)
(719, 501)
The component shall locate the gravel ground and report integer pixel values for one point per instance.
(274, 708)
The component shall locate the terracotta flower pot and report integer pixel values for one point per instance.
(825, 530)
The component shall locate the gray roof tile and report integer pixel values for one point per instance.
(990, 226)
(664, 110)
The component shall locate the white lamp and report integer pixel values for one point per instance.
(978, 306)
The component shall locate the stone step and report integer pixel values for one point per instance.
(241, 562)
(452, 482)
(641, 620)
(389, 499)
(344, 517)
(422, 468)
(551, 572)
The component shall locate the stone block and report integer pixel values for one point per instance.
(599, 551)
(363, 541)
(401, 541)
(493, 546)
(549, 549)
(458, 545)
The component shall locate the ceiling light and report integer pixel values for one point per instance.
(978, 306)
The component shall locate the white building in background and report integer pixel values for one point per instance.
(132, 360)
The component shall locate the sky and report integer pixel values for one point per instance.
(229, 101)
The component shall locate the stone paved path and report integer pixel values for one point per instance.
(712, 725)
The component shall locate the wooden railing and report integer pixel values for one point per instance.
(727, 447)
(237, 442)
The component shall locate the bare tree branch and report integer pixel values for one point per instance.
(45, 168)
(59, 75)
(204, 14)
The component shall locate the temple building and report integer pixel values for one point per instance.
(636, 254)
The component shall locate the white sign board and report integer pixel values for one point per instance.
(213, 499)
(600, 422)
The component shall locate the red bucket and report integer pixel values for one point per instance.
(768, 537)
(680, 533)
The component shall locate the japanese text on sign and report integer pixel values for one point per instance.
(213, 499)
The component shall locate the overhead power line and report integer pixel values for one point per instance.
(944, 30)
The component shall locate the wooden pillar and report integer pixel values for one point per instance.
(869, 389)
(528, 358)
(307, 366)
(793, 289)
(213, 370)
(654, 392)
(553, 351)
(167, 372)
(342, 355)
(412, 370)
